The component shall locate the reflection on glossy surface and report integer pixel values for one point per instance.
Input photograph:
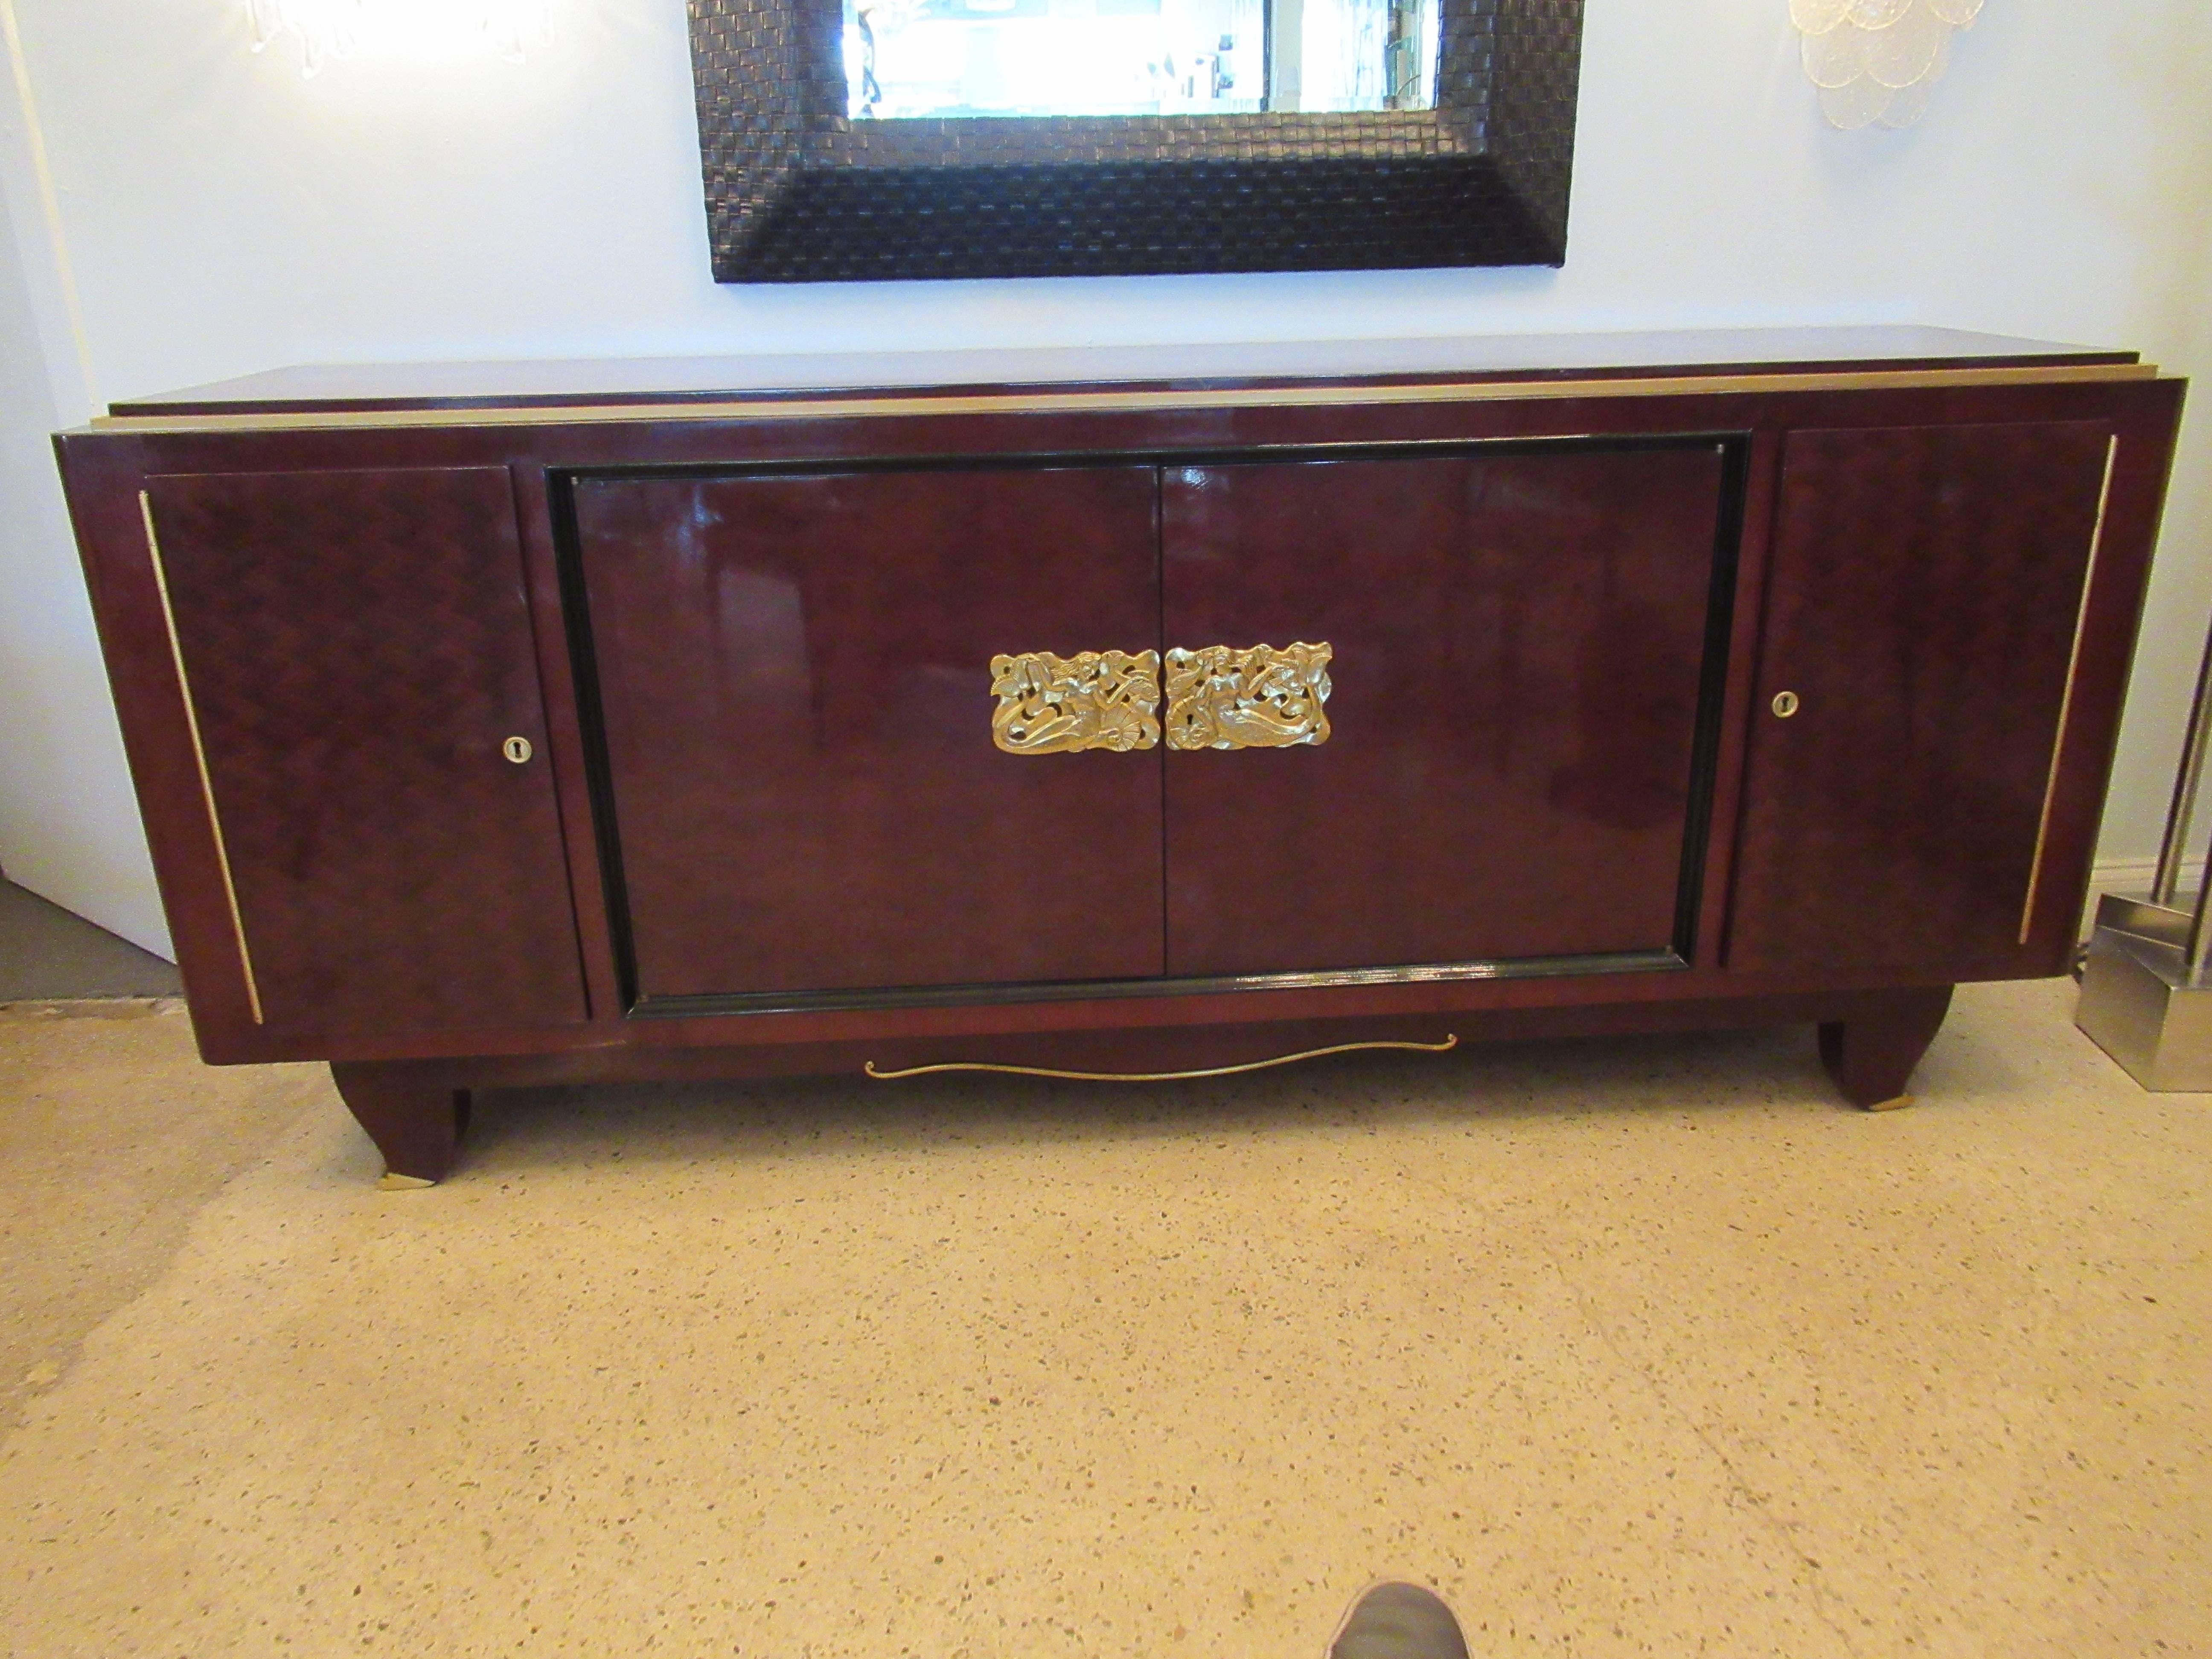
(796, 675)
(1894, 817)
(393, 870)
(1518, 642)
(906, 58)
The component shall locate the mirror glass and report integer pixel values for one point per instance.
(910, 59)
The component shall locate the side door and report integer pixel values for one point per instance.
(1517, 640)
(1923, 609)
(874, 731)
(358, 664)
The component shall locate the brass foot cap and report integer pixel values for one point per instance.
(1897, 1105)
(394, 1182)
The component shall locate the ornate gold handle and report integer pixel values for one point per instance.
(1051, 705)
(1219, 698)
(1449, 1043)
(1260, 698)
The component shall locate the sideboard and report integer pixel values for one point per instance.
(1128, 713)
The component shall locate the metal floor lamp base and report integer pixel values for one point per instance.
(2146, 981)
(2140, 1002)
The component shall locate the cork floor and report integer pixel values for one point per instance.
(1628, 1347)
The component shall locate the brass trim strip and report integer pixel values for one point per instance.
(199, 754)
(1445, 1046)
(846, 408)
(2066, 701)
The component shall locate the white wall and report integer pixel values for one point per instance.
(222, 215)
(68, 826)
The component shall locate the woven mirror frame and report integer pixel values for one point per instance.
(798, 193)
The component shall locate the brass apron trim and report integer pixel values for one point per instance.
(2066, 701)
(1445, 1046)
(845, 407)
(199, 755)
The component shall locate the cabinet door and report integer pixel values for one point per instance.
(1925, 591)
(1518, 646)
(358, 649)
(795, 673)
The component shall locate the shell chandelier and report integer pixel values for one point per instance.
(340, 28)
(1879, 60)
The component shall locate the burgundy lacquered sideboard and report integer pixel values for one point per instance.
(1126, 713)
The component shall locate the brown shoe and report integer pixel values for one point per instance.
(1399, 1621)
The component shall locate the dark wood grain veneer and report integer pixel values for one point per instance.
(453, 390)
(1520, 645)
(762, 829)
(355, 651)
(1897, 811)
(795, 676)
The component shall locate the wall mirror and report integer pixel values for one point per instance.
(857, 140)
(919, 59)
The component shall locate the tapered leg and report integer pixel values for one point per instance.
(413, 1115)
(1871, 1055)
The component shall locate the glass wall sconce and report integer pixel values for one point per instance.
(1878, 61)
(340, 28)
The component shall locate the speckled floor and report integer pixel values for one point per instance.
(1639, 1347)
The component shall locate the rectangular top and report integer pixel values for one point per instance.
(672, 382)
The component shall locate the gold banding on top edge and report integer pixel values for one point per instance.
(199, 755)
(1051, 705)
(850, 407)
(1449, 1043)
(1219, 697)
(2066, 698)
